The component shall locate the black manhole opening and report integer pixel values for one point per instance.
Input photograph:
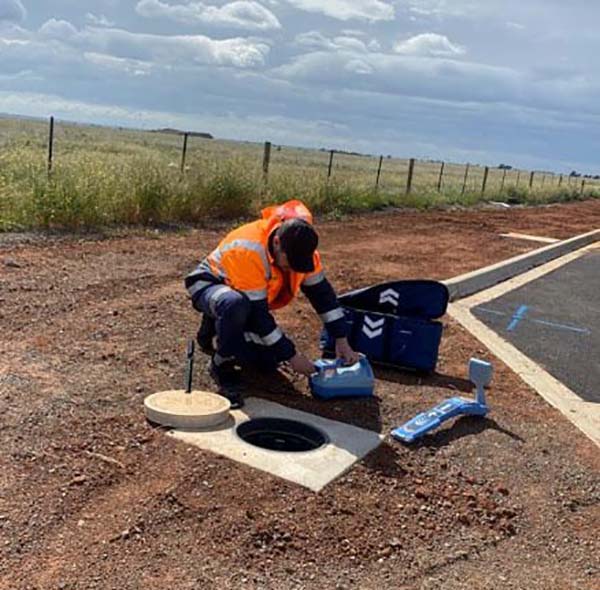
(279, 434)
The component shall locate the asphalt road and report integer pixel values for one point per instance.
(555, 320)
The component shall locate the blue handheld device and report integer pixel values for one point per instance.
(333, 379)
(480, 373)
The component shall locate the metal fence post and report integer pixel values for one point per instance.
(531, 179)
(486, 171)
(464, 186)
(439, 184)
(411, 169)
(331, 152)
(378, 172)
(184, 152)
(266, 161)
(582, 186)
(503, 179)
(50, 145)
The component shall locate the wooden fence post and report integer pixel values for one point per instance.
(411, 169)
(439, 184)
(378, 172)
(184, 152)
(543, 179)
(50, 145)
(531, 180)
(486, 171)
(582, 186)
(518, 178)
(464, 186)
(266, 161)
(503, 179)
(331, 152)
(560, 180)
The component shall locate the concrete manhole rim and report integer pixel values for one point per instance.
(326, 438)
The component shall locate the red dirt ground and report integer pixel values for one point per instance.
(92, 497)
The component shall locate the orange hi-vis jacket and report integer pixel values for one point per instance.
(243, 262)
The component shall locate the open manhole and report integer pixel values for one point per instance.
(280, 434)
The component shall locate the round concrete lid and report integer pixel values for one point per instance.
(179, 409)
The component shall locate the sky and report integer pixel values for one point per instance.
(481, 81)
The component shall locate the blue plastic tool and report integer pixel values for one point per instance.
(480, 373)
(333, 379)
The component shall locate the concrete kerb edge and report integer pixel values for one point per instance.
(472, 282)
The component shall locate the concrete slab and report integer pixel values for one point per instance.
(313, 469)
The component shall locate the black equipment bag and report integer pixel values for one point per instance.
(394, 323)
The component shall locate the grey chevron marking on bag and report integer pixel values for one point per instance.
(390, 296)
(373, 328)
(374, 323)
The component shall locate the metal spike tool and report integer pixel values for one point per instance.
(189, 371)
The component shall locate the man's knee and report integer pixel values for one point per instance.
(234, 307)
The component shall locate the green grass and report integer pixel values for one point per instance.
(103, 177)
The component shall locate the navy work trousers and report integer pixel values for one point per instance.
(231, 310)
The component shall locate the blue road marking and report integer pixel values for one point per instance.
(563, 327)
(516, 319)
(536, 321)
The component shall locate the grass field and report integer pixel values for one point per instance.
(105, 176)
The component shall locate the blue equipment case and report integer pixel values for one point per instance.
(333, 379)
(394, 323)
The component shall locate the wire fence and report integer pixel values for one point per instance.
(381, 172)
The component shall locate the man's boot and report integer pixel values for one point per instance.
(205, 335)
(227, 378)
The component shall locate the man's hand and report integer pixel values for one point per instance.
(344, 351)
(302, 365)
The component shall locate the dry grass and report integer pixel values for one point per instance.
(103, 176)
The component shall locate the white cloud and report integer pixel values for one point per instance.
(132, 67)
(176, 50)
(358, 66)
(399, 75)
(12, 11)
(194, 49)
(316, 40)
(429, 44)
(241, 14)
(353, 33)
(368, 10)
(60, 30)
(98, 20)
(441, 8)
